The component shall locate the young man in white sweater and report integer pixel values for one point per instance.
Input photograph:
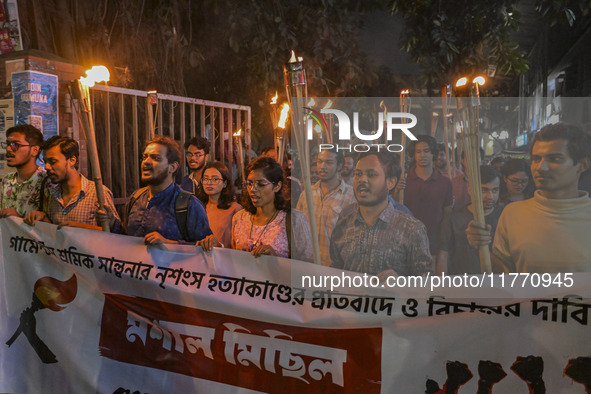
(549, 232)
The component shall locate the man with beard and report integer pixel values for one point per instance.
(440, 163)
(427, 193)
(197, 154)
(162, 212)
(329, 196)
(71, 200)
(347, 171)
(456, 257)
(20, 191)
(376, 238)
(549, 232)
(459, 180)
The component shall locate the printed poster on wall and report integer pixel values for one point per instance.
(36, 100)
(6, 122)
(10, 29)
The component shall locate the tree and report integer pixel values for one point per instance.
(223, 50)
(145, 43)
(246, 44)
(451, 38)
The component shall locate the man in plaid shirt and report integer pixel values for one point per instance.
(329, 196)
(71, 199)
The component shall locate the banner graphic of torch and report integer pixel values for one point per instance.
(47, 293)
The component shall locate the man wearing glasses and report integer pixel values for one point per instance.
(197, 154)
(20, 191)
(162, 212)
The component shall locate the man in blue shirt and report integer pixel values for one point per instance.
(153, 212)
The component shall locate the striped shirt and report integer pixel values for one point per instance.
(327, 210)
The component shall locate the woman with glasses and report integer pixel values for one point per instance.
(265, 225)
(217, 194)
(517, 182)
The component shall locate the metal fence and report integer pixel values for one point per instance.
(122, 122)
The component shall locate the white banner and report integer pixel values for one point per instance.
(86, 312)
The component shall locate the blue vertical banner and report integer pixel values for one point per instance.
(35, 100)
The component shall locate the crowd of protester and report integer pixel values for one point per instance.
(368, 219)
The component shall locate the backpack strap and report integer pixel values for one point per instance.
(195, 187)
(181, 210)
(129, 205)
(288, 231)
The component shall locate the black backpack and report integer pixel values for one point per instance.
(181, 205)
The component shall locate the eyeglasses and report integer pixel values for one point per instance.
(14, 146)
(256, 184)
(518, 181)
(211, 181)
(195, 155)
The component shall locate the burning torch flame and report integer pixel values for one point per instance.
(52, 292)
(435, 114)
(405, 92)
(274, 99)
(96, 74)
(283, 116)
(383, 106)
(293, 58)
(237, 134)
(461, 82)
(480, 80)
(311, 102)
(328, 104)
(317, 129)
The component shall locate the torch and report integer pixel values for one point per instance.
(404, 107)
(445, 91)
(434, 121)
(468, 102)
(273, 113)
(297, 92)
(95, 74)
(152, 101)
(282, 136)
(330, 122)
(385, 121)
(238, 141)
